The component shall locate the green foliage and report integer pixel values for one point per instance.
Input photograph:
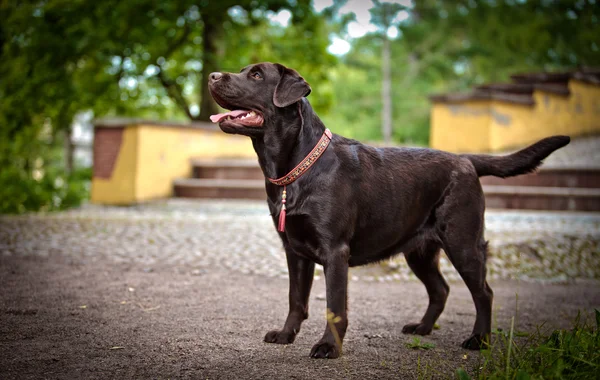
(416, 344)
(357, 88)
(450, 46)
(139, 58)
(302, 45)
(53, 190)
(564, 354)
(461, 374)
(383, 14)
(150, 59)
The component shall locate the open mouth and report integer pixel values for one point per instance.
(239, 117)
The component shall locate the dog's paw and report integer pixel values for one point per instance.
(280, 337)
(325, 350)
(476, 342)
(417, 328)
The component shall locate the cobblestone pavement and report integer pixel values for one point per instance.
(197, 235)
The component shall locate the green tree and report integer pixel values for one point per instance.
(452, 46)
(382, 15)
(138, 58)
(490, 40)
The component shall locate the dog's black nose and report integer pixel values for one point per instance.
(215, 76)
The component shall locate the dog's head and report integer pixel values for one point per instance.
(255, 96)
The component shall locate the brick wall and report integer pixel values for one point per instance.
(107, 143)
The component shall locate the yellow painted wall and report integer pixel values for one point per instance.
(585, 105)
(165, 153)
(152, 156)
(511, 124)
(552, 115)
(460, 127)
(120, 188)
(493, 125)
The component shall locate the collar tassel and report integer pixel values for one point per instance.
(281, 226)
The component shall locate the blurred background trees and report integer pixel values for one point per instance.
(150, 59)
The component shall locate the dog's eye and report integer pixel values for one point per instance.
(256, 75)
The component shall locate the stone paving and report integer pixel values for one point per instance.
(197, 235)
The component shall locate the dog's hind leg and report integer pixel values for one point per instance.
(460, 227)
(301, 273)
(463, 243)
(470, 264)
(425, 264)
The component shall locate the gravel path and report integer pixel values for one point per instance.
(187, 289)
(239, 236)
(61, 319)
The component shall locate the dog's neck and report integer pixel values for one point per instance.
(283, 146)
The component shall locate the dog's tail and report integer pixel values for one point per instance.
(524, 161)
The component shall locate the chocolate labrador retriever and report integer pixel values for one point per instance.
(350, 204)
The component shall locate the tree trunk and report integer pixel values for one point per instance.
(209, 64)
(69, 151)
(386, 92)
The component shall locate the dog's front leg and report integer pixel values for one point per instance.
(301, 272)
(336, 282)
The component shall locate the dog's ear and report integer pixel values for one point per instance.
(291, 87)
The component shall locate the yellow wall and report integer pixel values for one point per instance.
(152, 156)
(165, 153)
(585, 105)
(495, 125)
(511, 124)
(460, 127)
(553, 115)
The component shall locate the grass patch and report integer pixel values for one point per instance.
(562, 354)
(416, 344)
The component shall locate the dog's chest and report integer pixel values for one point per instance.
(302, 237)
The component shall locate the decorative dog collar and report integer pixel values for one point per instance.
(298, 171)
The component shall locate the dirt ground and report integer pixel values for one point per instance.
(62, 318)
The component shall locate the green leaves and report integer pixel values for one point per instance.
(383, 14)
(565, 354)
(461, 374)
(416, 344)
(139, 58)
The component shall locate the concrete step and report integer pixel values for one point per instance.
(551, 188)
(499, 197)
(552, 176)
(226, 169)
(547, 176)
(219, 188)
(542, 198)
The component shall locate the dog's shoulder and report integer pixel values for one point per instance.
(355, 152)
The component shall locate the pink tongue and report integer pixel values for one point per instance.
(218, 117)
